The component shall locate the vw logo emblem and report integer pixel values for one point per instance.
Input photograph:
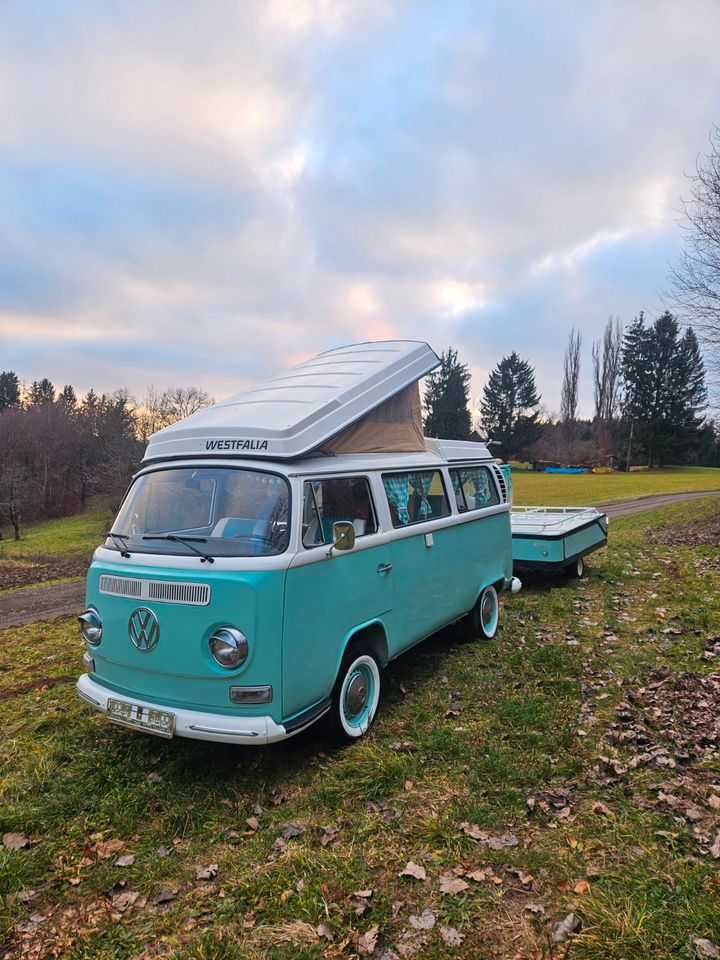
(144, 629)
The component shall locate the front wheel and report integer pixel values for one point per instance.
(482, 621)
(355, 696)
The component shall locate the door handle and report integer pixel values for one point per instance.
(384, 568)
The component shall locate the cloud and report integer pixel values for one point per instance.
(207, 193)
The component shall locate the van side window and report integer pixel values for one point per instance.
(474, 488)
(337, 498)
(415, 496)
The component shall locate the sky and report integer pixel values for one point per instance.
(208, 193)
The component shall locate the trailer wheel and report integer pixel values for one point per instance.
(355, 696)
(576, 569)
(482, 621)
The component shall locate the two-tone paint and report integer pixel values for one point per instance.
(299, 609)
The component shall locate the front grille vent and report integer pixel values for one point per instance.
(501, 483)
(197, 594)
(162, 591)
(120, 586)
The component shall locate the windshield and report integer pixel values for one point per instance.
(225, 511)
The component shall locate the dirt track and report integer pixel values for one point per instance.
(64, 599)
(41, 603)
(623, 508)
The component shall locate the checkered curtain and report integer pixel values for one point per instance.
(397, 488)
(422, 482)
(482, 488)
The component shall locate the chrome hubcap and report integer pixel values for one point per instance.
(357, 694)
(488, 610)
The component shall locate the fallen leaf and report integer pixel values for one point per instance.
(360, 903)
(401, 745)
(165, 896)
(155, 777)
(473, 831)
(714, 801)
(408, 785)
(106, 848)
(277, 798)
(413, 869)
(328, 835)
(249, 920)
(253, 823)
(562, 930)
(452, 884)
(363, 893)
(476, 874)
(164, 851)
(536, 910)
(15, 841)
(366, 942)
(291, 830)
(715, 848)
(280, 846)
(581, 887)
(601, 810)
(504, 840)
(451, 937)
(705, 948)
(127, 861)
(426, 920)
(123, 901)
(323, 930)
(206, 873)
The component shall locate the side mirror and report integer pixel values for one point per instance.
(343, 533)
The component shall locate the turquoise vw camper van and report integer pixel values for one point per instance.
(277, 550)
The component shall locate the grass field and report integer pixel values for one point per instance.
(140, 848)
(69, 535)
(554, 489)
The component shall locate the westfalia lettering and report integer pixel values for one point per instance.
(236, 444)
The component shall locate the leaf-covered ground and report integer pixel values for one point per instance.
(553, 793)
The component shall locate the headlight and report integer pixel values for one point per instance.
(91, 626)
(229, 647)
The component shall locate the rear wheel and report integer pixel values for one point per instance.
(576, 569)
(355, 696)
(482, 621)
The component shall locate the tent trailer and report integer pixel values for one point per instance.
(556, 538)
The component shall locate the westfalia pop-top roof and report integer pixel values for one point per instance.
(297, 412)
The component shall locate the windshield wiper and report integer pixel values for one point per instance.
(188, 541)
(119, 537)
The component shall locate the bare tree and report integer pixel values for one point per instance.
(159, 410)
(696, 278)
(606, 360)
(569, 395)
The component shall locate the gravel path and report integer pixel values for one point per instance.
(623, 508)
(63, 599)
(41, 603)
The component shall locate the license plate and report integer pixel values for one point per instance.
(159, 722)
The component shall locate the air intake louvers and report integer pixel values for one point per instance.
(161, 591)
(501, 483)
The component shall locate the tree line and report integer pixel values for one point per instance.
(58, 450)
(650, 400)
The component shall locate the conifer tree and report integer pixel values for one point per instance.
(446, 399)
(509, 406)
(665, 393)
(9, 389)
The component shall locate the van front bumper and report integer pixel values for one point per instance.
(191, 723)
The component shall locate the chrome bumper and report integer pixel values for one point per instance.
(192, 723)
